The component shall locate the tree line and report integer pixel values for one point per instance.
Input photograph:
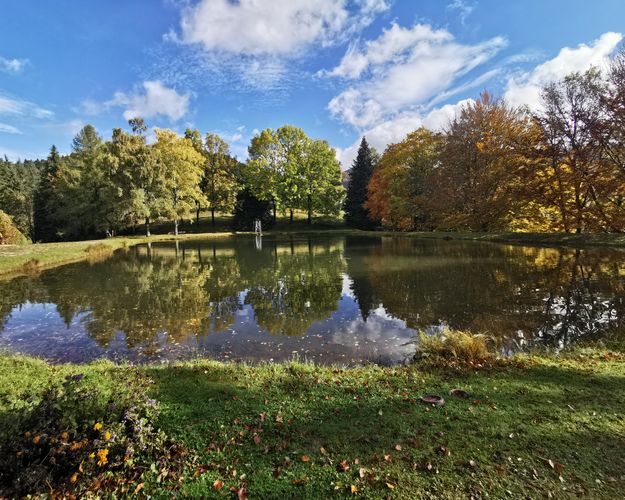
(498, 167)
(104, 187)
(495, 167)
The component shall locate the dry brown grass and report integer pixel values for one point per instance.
(455, 345)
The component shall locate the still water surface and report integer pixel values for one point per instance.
(331, 299)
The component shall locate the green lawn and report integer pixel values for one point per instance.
(529, 429)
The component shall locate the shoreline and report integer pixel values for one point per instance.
(16, 260)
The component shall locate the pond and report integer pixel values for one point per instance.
(324, 298)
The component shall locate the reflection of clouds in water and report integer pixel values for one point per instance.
(347, 284)
(39, 330)
(379, 337)
(378, 327)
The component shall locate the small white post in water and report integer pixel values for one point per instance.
(259, 234)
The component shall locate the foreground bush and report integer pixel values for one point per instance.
(75, 438)
(9, 234)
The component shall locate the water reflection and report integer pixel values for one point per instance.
(329, 299)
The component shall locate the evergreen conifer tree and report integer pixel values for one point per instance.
(362, 168)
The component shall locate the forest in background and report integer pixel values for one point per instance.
(494, 168)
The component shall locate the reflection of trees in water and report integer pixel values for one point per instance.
(191, 288)
(556, 295)
(300, 285)
(357, 248)
(195, 287)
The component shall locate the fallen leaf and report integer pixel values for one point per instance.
(305, 458)
(390, 486)
(218, 484)
(322, 450)
(354, 489)
(398, 447)
(139, 488)
(256, 439)
(242, 493)
(343, 466)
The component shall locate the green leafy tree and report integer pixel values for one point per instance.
(319, 179)
(264, 168)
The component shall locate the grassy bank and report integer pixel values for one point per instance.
(530, 428)
(20, 259)
(542, 239)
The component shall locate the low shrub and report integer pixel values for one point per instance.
(75, 439)
(454, 345)
(9, 234)
(31, 266)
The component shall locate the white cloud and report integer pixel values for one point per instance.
(20, 107)
(155, 99)
(278, 27)
(383, 127)
(9, 129)
(525, 89)
(463, 7)
(12, 65)
(403, 68)
(395, 129)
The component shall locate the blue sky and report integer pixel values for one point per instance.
(336, 68)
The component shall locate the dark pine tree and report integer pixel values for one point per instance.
(44, 206)
(248, 208)
(360, 174)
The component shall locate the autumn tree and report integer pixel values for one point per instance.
(399, 189)
(181, 166)
(479, 161)
(584, 188)
(359, 176)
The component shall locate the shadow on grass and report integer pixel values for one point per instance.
(293, 430)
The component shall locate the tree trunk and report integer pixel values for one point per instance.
(147, 226)
(213, 216)
(197, 215)
(291, 216)
(176, 226)
(309, 211)
(275, 218)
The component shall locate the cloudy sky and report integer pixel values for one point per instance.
(336, 68)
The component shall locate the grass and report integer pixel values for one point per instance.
(531, 428)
